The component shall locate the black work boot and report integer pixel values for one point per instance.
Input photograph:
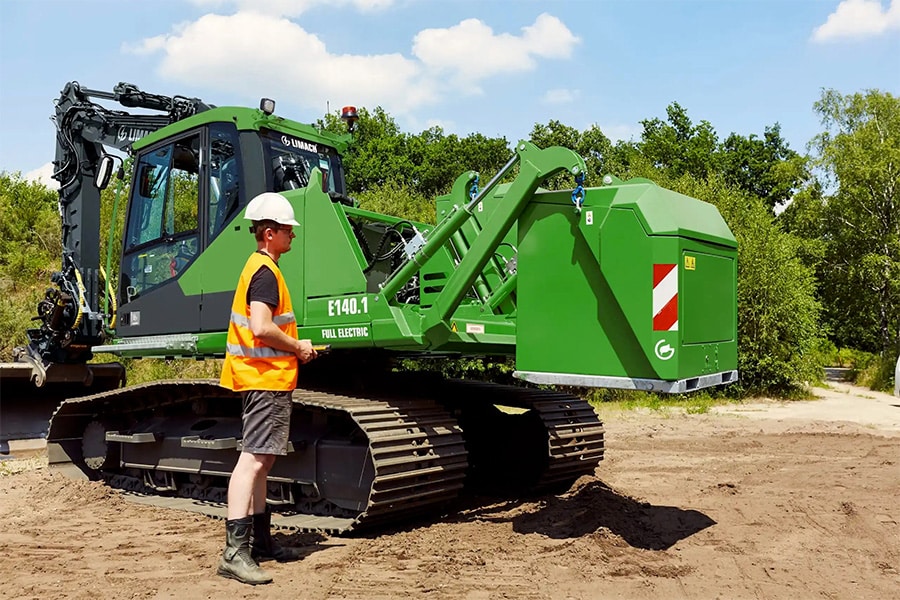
(263, 546)
(236, 561)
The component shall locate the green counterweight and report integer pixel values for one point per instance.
(638, 290)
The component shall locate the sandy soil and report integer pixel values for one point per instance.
(767, 500)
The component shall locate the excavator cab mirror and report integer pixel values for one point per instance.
(104, 172)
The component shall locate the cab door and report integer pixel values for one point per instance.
(162, 238)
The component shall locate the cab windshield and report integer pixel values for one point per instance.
(291, 159)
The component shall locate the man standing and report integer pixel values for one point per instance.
(261, 362)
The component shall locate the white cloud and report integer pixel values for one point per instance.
(290, 8)
(858, 19)
(42, 175)
(559, 96)
(444, 124)
(264, 55)
(472, 50)
(621, 132)
(260, 54)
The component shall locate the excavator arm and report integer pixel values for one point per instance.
(53, 365)
(69, 314)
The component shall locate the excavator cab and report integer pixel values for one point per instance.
(190, 187)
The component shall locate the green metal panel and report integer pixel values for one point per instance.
(332, 258)
(586, 286)
(707, 287)
(218, 268)
(564, 301)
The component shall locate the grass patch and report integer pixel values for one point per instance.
(145, 370)
(695, 403)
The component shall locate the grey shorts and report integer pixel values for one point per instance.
(266, 421)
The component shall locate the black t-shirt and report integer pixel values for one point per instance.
(263, 287)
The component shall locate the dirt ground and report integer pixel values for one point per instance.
(765, 500)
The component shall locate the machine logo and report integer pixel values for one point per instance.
(663, 350)
(131, 134)
(292, 142)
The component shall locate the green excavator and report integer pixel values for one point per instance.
(624, 285)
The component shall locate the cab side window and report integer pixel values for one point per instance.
(162, 233)
(225, 189)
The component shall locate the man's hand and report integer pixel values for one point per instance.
(305, 351)
(264, 328)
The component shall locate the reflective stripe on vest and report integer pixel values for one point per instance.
(242, 321)
(255, 352)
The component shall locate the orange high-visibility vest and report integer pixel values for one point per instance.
(250, 364)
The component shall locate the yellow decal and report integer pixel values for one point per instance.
(453, 327)
(690, 263)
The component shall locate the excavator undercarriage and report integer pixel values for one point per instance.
(354, 460)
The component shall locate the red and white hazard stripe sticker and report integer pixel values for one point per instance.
(665, 297)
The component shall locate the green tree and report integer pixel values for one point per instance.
(591, 144)
(767, 167)
(383, 157)
(439, 159)
(378, 154)
(859, 152)
(679, 147)
(399, 201)
(30, 250)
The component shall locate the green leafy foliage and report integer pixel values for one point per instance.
(152, 369)
(495, 369)
(860, 222)
(596, 149)
(398, 200)
(29, 227)
(764, 167)
(679, 147)
(426, 164)
(30, 250)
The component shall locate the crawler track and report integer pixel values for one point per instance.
(354, 462)
(551, 440)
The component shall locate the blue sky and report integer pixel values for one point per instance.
(491, 66)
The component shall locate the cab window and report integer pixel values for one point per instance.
(162, 232)
(225, 189)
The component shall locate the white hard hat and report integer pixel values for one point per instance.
(270, 206)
